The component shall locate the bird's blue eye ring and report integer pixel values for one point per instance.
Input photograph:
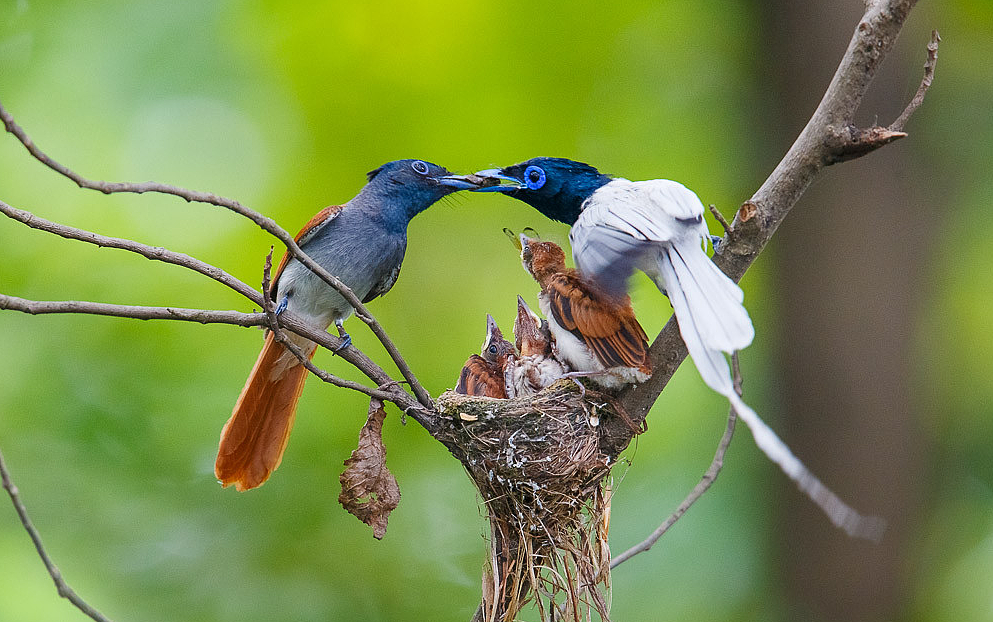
(534, 177)
(419, 166)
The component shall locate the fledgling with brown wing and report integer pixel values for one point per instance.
(595, 333)
(489, 373)
(536, 367)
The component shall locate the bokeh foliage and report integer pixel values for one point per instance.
(110, 426)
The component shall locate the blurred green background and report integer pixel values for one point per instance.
(872, 305)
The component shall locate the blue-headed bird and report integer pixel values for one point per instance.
(362, 242)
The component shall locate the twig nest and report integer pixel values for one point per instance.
(545, 442)
(538, 465)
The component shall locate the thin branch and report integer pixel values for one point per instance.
(202, 316)
(265, 223)
(395, 394)
(60, 584)
(721, 219)
(929, 65)
(156, 253)
(704, 484)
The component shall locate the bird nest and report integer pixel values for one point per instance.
(538, 465)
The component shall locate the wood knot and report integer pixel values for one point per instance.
(747, 211)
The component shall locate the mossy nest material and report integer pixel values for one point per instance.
(538, 465)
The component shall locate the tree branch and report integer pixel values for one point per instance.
(60, 584)
(821, 143)
(388, 389)
(203, 316)
(265, 223)
(156, 253)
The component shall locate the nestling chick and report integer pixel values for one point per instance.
(594, 332)
(488, 374)
(536, 367)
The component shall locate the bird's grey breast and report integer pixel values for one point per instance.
(354, 247)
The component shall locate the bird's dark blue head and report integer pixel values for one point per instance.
(406, 188)
(556, 187)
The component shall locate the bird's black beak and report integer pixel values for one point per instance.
(464, 182)
(495, 176)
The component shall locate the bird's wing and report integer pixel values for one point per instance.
(389, 269)
(479, 378)
(314, 225)
(624, 219)
(610, 331)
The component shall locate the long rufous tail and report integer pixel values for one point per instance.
(254, 438)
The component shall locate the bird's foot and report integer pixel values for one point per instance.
(346, 339)
(716, 241)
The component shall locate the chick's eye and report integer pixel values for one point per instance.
(419, 167)
(492, 349)
(534, 177)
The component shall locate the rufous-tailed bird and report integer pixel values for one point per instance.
(658, 227)
(536, 366)
(595, 333)
(362, 243)
(488, 374)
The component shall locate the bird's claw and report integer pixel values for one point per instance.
(346, 341)
(716, 241)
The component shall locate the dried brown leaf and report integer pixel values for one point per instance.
(368, 490)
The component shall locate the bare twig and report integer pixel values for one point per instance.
(387, 389)
(929, 65)
(721, 219)
(265, 223)
(60, 584)
(156, 253)
(704, 484)
(203, 316)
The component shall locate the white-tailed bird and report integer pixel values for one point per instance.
(657, 226)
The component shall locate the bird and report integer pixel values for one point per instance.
(489, 373)
(657, 226)
(362, 242)
(595, 333)
(536, 367)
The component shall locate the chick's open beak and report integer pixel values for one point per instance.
(516, 241)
